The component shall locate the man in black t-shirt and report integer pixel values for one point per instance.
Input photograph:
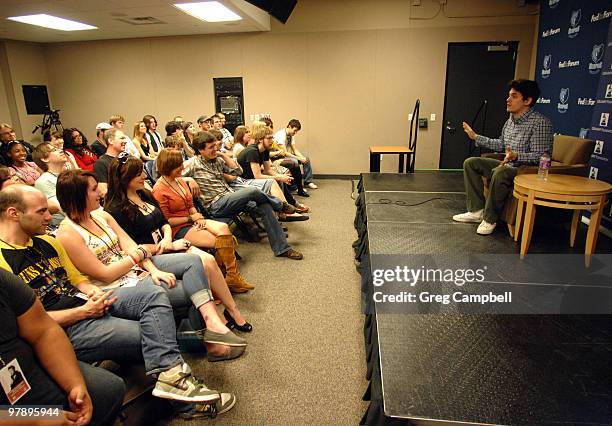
(29, 339)
(115, 142)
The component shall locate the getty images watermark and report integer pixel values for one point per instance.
(488, 283)
(411, 277)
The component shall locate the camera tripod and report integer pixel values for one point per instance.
(51, 122)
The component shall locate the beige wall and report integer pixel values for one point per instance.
(349, 70)
(27, 65)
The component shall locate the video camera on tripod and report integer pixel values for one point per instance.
(37, 102)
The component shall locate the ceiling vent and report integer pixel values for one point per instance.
(141, 20)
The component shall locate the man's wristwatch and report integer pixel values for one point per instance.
(189, 219)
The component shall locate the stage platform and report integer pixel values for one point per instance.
(448, 364)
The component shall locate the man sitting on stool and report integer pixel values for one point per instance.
(525, 136)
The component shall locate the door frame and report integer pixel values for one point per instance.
(466, 43)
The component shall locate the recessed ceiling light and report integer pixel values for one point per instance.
(209, 11)
(53, 22)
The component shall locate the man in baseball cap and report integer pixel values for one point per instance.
(99, 146)
(205, 122)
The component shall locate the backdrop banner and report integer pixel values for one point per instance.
(575, 75)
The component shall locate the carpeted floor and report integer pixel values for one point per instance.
(305, 360)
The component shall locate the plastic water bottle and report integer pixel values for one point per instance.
(544, 166)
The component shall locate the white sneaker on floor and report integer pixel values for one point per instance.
(311, 185)
(469, 217)
(486, 228)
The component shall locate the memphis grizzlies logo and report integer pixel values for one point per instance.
(546, 66)
(596, 56)
(574, 28)
(563, 104)
(553, 3)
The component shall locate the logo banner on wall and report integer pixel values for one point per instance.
(574, 71)
(601, 128)
(572, 40)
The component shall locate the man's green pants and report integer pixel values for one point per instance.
(501, 180)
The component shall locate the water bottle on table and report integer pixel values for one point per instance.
(544, 166)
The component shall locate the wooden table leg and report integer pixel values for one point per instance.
(400, 166)
(519, 217)
(528, 226)
(593, 231)
(574, 228)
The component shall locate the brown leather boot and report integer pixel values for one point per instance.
(225, 246)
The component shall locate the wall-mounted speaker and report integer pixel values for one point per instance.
(280, 9)
(36, 99)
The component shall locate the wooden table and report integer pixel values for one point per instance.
(564, 192)
(377, 150)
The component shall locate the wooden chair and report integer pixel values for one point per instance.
(408, 151)
(570, 156)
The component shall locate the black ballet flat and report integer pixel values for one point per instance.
(233, 325)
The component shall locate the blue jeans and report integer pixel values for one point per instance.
(245, 199)
(308, 178)
(139, 325)
(105, 389)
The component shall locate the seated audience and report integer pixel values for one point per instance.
(175, 129)
(256, 167)
(75, 143)
(152, 134)
(38, 351)
(176, 202)
(118, 122)
(189, 132)
(242, 137)
(221, 200)
(285, 139)
(138, 213)
(219, 124)
(8, 177)
(115, 142)
(280, 163)
(16, 157)
(52, 161)
(110, 259)
(205, 122)
(127, 323)
(7, 134)
(57, 140)
(147, 155)
(99, 145)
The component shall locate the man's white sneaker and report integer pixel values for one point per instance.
(311, 185)
(486, 228)
(469, 217)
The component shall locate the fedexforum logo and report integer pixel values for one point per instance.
(543, 101)
(597, 57)
(563, 105)
(550, 32)
(546, 66)
(568, 63)
(574, 28)
(586, 101)
(553, 3)
(601, 15)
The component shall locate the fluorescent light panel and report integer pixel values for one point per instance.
(209, 11)
(53, 22)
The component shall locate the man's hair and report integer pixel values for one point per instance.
(268, 122)
(168, 160)
(147, 119)
(527, 88)
(173, 126)
(71, 191)
(203, 118)
(216, 133)
(173, 142)
(114, 118)
(110, 134)
(202, 139)
(11, 197)
(41, 152)
(261, 132)
(295, 124)
(50, 135)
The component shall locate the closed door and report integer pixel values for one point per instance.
(477, 76)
